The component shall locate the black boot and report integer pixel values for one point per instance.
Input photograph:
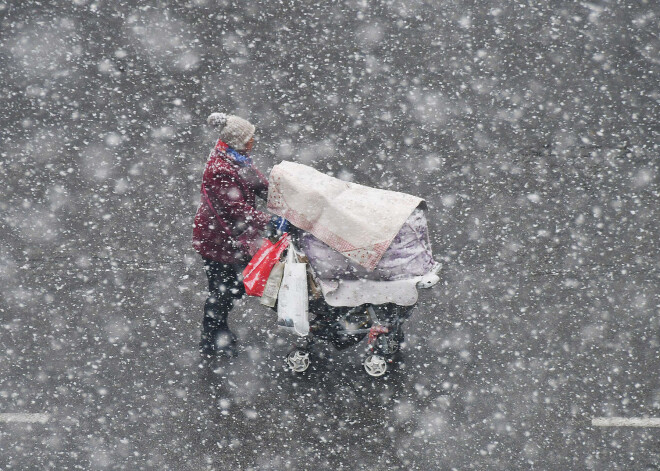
(216, 337)
(224, 287)
(225, 342)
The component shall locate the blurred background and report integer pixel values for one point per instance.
(104, 109)
(531, 128)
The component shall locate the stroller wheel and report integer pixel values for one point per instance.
(375, 365)
(298, 360)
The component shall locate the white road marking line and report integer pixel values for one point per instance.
(625, 422)
(25, 418)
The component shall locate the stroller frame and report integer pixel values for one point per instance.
(347, 326)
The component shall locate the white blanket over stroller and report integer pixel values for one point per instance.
(357, 221)
(366, 245)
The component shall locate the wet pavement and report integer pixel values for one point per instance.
(499, 371)
(530, 130)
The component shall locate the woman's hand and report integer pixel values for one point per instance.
(278, 225)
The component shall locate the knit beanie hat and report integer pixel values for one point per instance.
(234, 131)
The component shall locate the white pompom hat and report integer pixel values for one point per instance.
(235, 131)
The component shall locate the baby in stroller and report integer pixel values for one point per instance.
(365, 252)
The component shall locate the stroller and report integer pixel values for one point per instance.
(337, 292)
(346, 326)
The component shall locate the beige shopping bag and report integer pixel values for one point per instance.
(272, 288)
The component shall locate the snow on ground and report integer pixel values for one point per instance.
(532, 132)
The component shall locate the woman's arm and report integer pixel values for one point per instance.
(231, 204)
(257, 181)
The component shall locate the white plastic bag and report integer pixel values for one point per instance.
(292, 304)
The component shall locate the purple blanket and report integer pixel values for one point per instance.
(408, 256)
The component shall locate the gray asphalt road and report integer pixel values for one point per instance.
(501, 370)
(530, 129)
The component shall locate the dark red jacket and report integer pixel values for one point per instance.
(228, 230)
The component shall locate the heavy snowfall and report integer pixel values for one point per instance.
(530, 128)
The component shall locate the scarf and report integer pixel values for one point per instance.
(241, 160)
(238, 158)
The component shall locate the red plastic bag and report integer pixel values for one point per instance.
(256, 273)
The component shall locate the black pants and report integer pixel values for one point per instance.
(225, 285)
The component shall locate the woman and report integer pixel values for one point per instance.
(227, 226)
